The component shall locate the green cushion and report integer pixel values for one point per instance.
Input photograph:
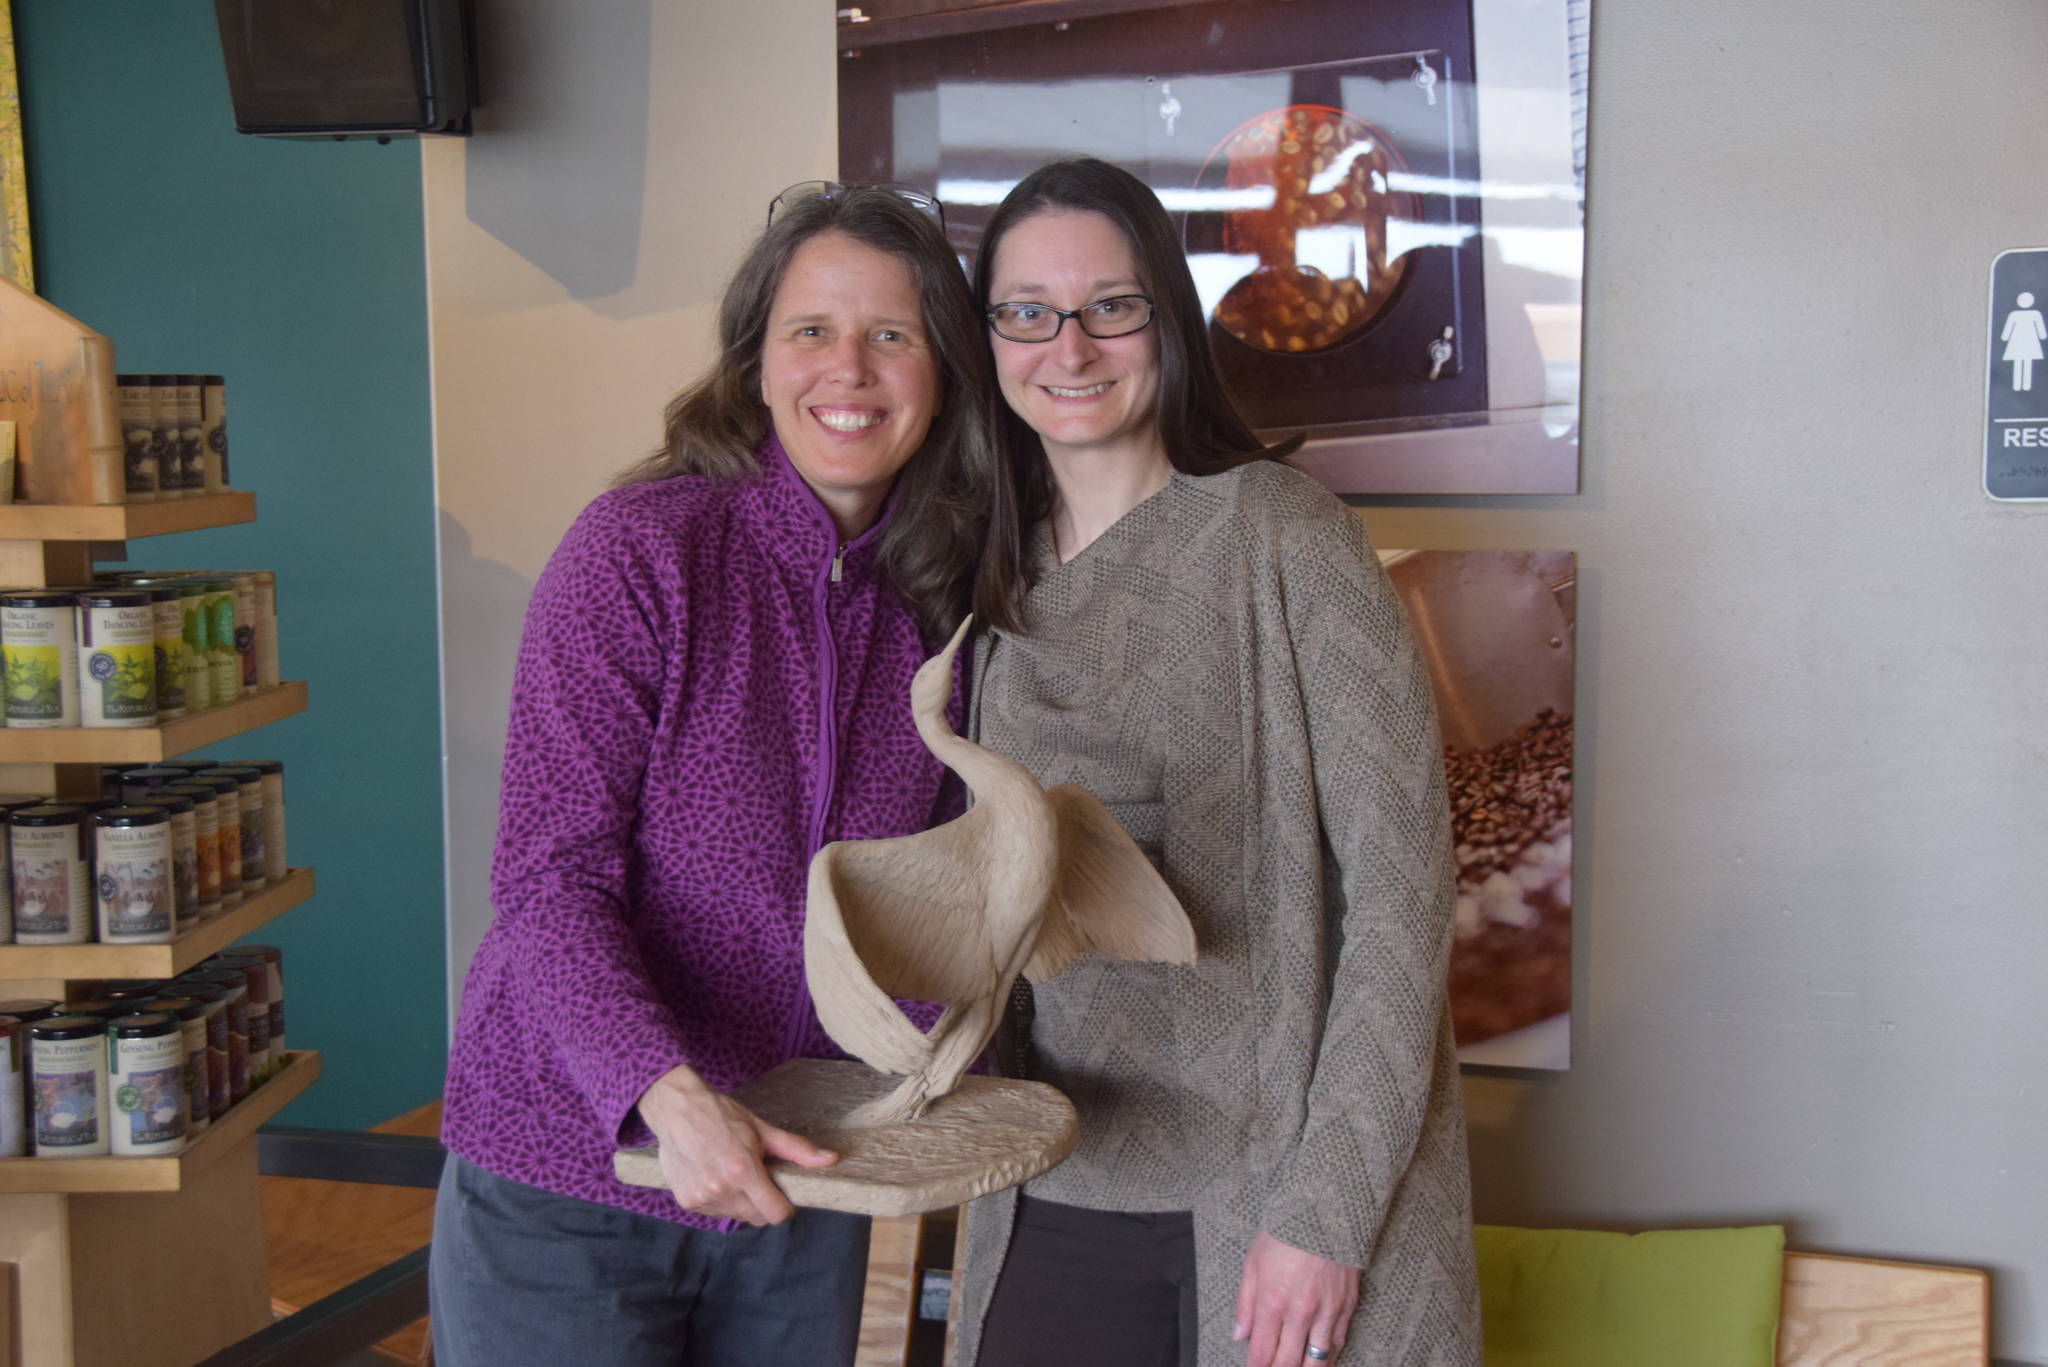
(1672, 1298)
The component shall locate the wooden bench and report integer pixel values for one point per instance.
(1863, 1312)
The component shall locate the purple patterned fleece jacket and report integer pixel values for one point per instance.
(709, 688)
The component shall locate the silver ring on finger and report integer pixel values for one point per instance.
(1315, 1354)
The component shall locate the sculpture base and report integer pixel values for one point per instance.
(988, 1133)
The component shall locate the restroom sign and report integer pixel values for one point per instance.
(2016, 384)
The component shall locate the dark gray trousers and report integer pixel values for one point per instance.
(522, 1276)
(1093, 1288)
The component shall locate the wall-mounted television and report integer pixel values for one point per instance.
(331, 68)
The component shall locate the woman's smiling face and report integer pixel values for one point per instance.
(847, 373)
(1077, 392)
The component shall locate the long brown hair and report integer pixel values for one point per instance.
(715, 427)
(1199, 426)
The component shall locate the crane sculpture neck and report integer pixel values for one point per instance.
(930, 690)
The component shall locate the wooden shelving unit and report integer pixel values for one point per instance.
(71, 963)
(123, 521)
(108, 1262)
(150, 744)
(79, 1176)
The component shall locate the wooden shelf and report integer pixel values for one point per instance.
(70, 963)
(149, 744)
(78, 1176)
(123, 521)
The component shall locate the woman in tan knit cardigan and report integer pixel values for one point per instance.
(1272, 1164)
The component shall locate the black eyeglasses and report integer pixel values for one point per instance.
(1119, 315)
(833, 189)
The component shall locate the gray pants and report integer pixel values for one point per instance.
(523, 1276)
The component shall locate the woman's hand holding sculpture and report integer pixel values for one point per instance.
(712, 1147)
(1290, 1301)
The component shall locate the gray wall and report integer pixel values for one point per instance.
(1810, 945)
(1811, 940)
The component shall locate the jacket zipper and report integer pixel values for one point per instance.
(828, 777)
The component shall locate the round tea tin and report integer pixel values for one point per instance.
(206, 842)
(184, 853)
(50, 871)
(39, 637)
(137, 897)
(13, 1086)
(116, 658)
(146, 1084)
(190, 1013)
(67, 1086)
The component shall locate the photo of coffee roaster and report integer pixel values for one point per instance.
(1496, 628)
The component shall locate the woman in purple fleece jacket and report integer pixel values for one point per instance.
(712, 684)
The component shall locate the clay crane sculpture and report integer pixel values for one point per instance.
(1025, 881)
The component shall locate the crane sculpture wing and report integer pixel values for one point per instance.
(1024, 882)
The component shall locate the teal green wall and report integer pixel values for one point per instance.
(295, 269)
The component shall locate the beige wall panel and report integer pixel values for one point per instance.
(576, 249)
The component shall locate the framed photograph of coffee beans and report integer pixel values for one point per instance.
(1496, 628)
(1381, 205)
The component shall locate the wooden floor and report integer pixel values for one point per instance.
(323, 1235)
(320, 1236)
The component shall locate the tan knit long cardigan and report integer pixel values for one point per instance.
(1229, 670)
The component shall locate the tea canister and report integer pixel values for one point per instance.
(138, 439)
(273, 956)
(50, 868)
(188, 652)
(184, 854)
(259, 659)
(256, 975)
(224, 666)
(266, 629)
(191, 440)
(213, 407)
(39, 639)
(134, 877)
(250, 799)
(10, 802)
(170, 650)
(148, 779)
(206, 843)
(193, 1080)
(273, 812)
(228, 816)
(117, 658)
(13, 1086)
(163, 416)
(146, 1084)
(236, 986)
(214, 998)
(67, 1087)
(244, 582)
(194, 644)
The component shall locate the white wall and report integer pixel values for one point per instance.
(576, 249)
(1813, 791)
(1812, 926)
